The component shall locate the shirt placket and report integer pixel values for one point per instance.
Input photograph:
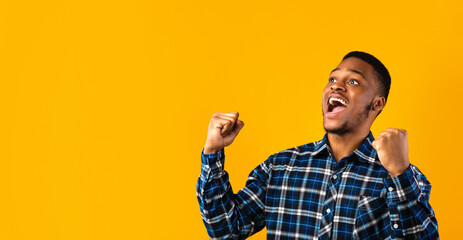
(329, 211)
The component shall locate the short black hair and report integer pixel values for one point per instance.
(383, 77)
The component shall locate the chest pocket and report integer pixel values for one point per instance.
(372, 219)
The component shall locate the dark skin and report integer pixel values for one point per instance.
(354, 81)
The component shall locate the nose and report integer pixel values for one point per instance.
(337, 86)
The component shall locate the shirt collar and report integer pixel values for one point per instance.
(365, 152)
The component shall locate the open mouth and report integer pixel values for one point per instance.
(336, 105)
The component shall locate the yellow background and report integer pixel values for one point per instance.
(105, 104)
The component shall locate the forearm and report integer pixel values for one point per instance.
(215, 196)
(411, 215)
(227, 215)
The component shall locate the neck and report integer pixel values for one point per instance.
(345, 144)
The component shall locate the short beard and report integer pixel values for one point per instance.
(338, 131)
(343, 128)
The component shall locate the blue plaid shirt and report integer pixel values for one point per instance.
(302, 193)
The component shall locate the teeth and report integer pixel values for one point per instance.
(337, 99)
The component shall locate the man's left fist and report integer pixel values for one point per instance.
(392, 148)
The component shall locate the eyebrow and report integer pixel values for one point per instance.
(350, 70)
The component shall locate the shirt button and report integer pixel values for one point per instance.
(334, 177)
(328, 210)
(396, 225)
(391, 189)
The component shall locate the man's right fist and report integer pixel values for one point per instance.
(223, 129)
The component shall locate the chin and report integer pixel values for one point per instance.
(336, 128)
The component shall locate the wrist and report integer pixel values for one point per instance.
(395, 174)
(208, 150)
(398, 172)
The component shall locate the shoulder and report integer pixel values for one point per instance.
(301, 152)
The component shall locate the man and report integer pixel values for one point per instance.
(348, 185)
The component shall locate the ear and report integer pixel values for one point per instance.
(379, 103)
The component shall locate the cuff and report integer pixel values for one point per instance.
(403, 187)
(214, 161)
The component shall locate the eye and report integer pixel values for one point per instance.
(353, 81)
(331, 80)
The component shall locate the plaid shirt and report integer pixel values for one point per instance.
(302, 193)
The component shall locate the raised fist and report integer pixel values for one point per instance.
(392, 148)
(223, 129)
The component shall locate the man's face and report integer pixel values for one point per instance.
(348, 97)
